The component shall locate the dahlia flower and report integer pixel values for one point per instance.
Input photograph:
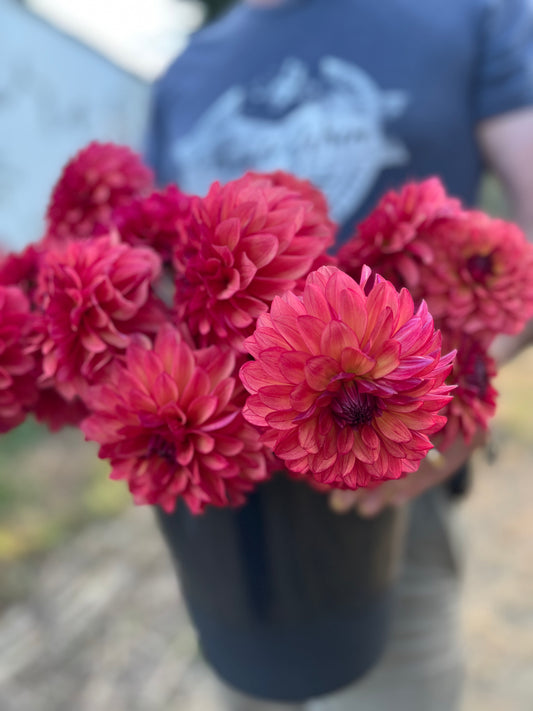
(20, 268)
(347, 380)
(99, 179)
(94, 294)
(250, 240)
(159, 220)
(393, 240)
(482, 281)
(304, 188)
(170, 424)
(18, 390)
(474, 398)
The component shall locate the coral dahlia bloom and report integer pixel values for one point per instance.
(347, 380)
(94, 294)
(482, 281)
(18, 390)
(170, 425)
(99, 179)
(395, 238)
(250, 241)
(159, 220)
(474, 398)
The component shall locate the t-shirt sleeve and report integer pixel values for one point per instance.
(154, 134)
(504, 80)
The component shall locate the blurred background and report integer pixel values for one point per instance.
(90, 613)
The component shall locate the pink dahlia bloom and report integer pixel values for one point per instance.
(99, 179)
(159, 221)
(20, 268)
(348, 380)
(169, 423)
(482, 281)
(250, 241)
(474, 398)
(18, 391)
(305, 189)
(395, 239)
(94, 294)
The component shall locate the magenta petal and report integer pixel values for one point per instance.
(261, 249)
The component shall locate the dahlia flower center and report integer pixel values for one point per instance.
(158, 446)
(480, 266)
(354, 408)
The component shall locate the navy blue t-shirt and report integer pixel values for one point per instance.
(356, 95)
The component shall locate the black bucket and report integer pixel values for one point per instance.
(290, 600)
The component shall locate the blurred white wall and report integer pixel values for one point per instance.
(56, 95)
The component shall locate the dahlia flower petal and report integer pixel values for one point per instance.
(291, 365)
(345, 441)
(352, 311)
(302, 398)
(355, 361)
(362, 451)
(393, 428)
(202, 409)
(307, 436)
(276, 396)
(319, 371)
(198, 385)
(281, 420)
(388, 360)
(219, 422)
(336, 336)
(260, 250)
(165, 389)
(311, 329)
(315, 302)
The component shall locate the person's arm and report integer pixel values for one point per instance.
(507, 145)
(434, 469)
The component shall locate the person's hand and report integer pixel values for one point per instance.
(433, 470)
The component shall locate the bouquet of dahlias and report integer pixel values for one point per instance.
(206, 342)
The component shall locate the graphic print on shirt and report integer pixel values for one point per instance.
(329, 128)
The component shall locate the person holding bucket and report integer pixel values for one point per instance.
(357, 97)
